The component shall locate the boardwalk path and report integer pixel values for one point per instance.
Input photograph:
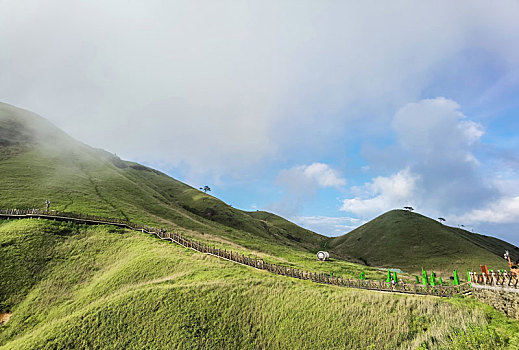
(381, 286)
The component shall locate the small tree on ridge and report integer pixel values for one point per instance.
(205, 189)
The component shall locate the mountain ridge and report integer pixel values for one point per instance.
(41, 163)
(45, 163)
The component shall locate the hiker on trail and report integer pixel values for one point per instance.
(47, 205)
(393, 283)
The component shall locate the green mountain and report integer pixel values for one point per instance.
(70, 286)
(41, 162)
(410, 241)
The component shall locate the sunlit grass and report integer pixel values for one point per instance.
(113, 288)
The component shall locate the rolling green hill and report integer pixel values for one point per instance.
(41, 162)
(71, 286)
(38, 162)
(75, 287)
(411, 241)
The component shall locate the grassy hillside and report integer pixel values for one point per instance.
(411, 241)
(38, 162)
(41, 162)
(74, 286)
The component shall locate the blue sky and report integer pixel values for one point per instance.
(328, 113)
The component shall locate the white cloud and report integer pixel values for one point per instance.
(441, 174)
(382, 194)
(503, 211)
(307, 178)
(327, 225)
(322, 174)
(301, 183)
(471, 131)
(221, 87)
(436, 129)
(436, 143)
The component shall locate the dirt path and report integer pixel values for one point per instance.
(4, 317)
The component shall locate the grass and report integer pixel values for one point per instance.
(73, 286)
(86, 181)
(100, 287)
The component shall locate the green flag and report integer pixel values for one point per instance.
(433, 278)
(362, 275)
(440, 280)
(425, 280)
(468, 275)
(395, 277)
(388, 279)
(456, 281)
(417, 279)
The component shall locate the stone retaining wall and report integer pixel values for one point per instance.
(507, 303)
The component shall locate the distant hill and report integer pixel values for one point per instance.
(411, 241)
(38, 161)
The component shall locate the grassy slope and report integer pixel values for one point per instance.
(411, 241)
(100, 287)
(72, 286)
(151, 198)
(40, 162)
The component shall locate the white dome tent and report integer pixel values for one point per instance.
(323, 256)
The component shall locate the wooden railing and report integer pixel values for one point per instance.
(495, 280)
(381, 286)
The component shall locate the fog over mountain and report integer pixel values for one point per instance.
(329, 113)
